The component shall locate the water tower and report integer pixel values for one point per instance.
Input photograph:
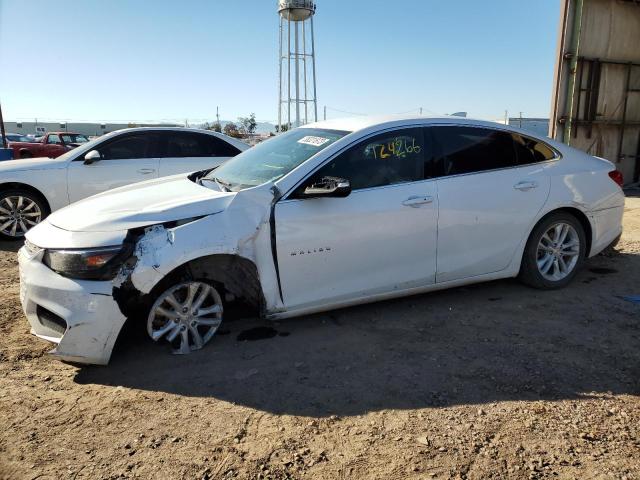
(297, 84)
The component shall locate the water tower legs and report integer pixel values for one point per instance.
(297, 78)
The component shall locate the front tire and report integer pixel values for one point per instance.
(187, 315)
(554, 253)
(20, 210)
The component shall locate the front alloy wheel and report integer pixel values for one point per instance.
(187, 315)
(18, 213)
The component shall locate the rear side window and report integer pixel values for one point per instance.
(129, 147)
(529, 150)
(184, 144)
(218, 147)
(461, 150)
(386, 159)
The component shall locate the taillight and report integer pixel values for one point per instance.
(617, 177)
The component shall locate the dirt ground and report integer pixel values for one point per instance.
(490, 381)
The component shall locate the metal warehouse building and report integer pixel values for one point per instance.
(93, 129)
(596, 97)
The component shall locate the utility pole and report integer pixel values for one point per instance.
(2, 132)
(218, 115)
(420, 110)
(325, 112)
(520, 119)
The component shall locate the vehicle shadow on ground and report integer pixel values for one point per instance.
(485, 343)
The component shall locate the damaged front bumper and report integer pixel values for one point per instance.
(80, 316)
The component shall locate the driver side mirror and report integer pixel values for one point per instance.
(328, 187)
(92, 156)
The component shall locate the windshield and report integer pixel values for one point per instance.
(273, 158)
(74, 138)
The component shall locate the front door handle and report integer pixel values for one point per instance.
(525, 185)
(146, 171)
(416, 200)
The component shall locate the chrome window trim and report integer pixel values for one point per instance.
(557, 153)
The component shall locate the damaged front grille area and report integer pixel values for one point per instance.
(50, 320)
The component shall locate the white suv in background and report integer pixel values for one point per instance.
(30, 189)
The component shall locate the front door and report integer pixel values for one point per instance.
(128, 158)
(381, 238)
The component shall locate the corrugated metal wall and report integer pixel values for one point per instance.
(596, 98)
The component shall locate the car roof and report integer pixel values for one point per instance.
(368, 124)
(233, 141)
(353, 124)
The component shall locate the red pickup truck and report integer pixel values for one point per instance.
(52, 144)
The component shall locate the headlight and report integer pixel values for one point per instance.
(91, 264)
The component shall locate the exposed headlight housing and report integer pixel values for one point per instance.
(31, 248)
(89, 264)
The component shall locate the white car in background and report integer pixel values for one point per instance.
(30, 189)
(329, 215)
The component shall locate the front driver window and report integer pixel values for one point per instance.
(53, 139)
(386, 159)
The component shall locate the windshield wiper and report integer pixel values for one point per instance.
(224, 186)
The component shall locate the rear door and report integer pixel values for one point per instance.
(191, 151)
(489, 194)
(128, 158)
(380, 238)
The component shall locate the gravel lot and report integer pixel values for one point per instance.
(488, 381)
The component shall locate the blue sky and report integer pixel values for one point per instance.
(134, 60)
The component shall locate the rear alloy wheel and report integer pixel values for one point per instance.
(554, 252)
(19, 211)
(558, 252)
(187, 315)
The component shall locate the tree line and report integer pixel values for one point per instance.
(244, 127)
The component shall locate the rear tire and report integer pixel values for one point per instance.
(554, 253)
(20, 210)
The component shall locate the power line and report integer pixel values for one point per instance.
(345, 111)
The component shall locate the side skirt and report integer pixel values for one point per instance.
(316, 307)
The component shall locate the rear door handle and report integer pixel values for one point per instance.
(146, 171)
(416, 200)
(525, 185)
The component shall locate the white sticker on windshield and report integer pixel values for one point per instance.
(315, 141)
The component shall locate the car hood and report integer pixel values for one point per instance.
(141, 204)
(40, 163)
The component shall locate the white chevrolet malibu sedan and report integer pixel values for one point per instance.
(329, 215)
